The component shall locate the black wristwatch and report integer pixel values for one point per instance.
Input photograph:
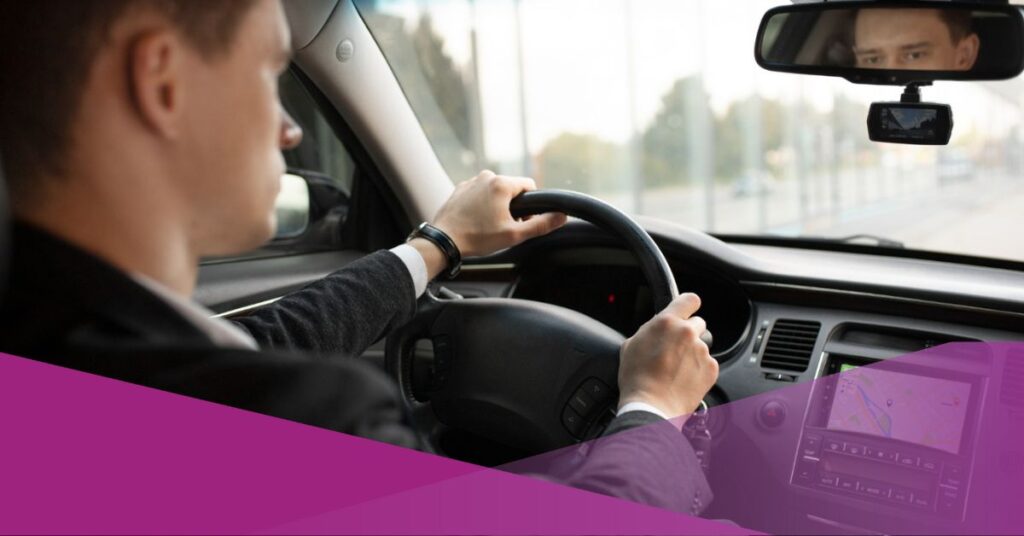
(442, 241)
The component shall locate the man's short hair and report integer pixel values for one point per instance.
(47, 48)
(958, 21)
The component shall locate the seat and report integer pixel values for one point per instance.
(4, 229)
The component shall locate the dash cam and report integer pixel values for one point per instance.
(920, 123)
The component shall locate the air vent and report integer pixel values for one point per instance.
(1011, 392)
(790, 345)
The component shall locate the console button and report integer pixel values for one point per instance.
(884, 455)
(869, 452)
(921, 499)
(847, 484)
(901, 495)
(907, 461)
(832, 445)
(854, 449)
(952, 475)
(573, 422)
(827, 480)
(772, 414)
(874, 489)
(582, 403)
(597, 390)
(811, 445)
(805, 471)
(929, 465)
(948, 504)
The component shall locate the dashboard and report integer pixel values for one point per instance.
(801, 335)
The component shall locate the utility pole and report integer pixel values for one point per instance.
(527, 165)
(634, 176)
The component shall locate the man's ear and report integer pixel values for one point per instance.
(967, 52)
(156, 83)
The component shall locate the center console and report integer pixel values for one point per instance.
(889, 433)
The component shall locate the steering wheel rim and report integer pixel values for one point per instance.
(586, 349)
(653, 263)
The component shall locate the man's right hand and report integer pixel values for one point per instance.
(665, 364)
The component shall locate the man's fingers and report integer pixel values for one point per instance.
(684, 305)
(698, 324)
(540, 225)
(502, 188)
(515, 185)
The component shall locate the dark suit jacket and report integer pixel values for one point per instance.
(67, 307)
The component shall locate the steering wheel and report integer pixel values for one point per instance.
(527, 374)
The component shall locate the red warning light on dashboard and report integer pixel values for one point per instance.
(611, 298)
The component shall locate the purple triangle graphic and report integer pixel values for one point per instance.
(85, 454)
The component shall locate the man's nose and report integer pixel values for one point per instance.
(291, 132)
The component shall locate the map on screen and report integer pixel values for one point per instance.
(920, 409)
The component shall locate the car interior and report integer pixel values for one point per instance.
(494, 358)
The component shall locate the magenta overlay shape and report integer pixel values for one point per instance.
(85, 454)
(930, 442)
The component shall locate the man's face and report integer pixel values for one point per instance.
(916, 39)
(234, 130)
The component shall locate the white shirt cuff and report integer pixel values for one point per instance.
(641, 406)
(417, 267)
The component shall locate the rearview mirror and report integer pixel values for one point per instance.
(292, 207)
(877, 42)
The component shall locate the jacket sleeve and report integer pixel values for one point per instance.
(641, 458)
(343, 313)
(344, 395)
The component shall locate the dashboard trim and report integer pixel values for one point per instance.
(886, 297)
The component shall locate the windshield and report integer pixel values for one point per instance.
(658, 107)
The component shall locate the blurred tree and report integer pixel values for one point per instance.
(446, 80)
(666, 143)
(439, 90)
(581, 162)
(850, 118)
(732, 129)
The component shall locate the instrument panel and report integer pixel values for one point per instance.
(607, 285)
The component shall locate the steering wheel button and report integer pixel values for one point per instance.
(573, 422)
(442, 353)
(582, 403)
(440, 377)
(597, 390)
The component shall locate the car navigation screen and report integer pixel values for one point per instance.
(923, 410)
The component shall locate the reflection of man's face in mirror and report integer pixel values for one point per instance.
(917, 39)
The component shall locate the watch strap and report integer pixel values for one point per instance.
(444, 243)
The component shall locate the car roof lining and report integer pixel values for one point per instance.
(306, 18)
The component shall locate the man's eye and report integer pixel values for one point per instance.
(915, 56)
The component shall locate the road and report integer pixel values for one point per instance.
(982, 214)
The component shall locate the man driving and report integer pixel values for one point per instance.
(916, 39)
(140, 136)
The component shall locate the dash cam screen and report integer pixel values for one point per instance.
(909, 123)
(919, 409)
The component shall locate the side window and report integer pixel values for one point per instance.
(320, 151)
